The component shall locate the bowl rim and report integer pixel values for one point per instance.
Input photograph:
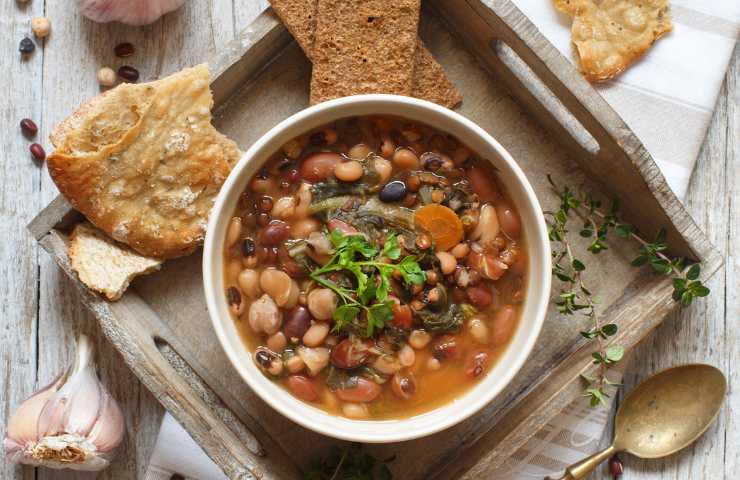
(334, 425)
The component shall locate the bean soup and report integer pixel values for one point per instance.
(375, 268)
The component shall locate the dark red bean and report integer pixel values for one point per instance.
(293, 176)
(446, 347)
(37, 151)
(128, 73)
(349, 354)
(616, 467)
(275, 233)
(479, 296)
(477, 363)
(319, 166)
(263, 219)
(365, 391)
(302, 388)
(297, 323)
(404, 385)
(403, 317)
(123, 50)
(29, 127)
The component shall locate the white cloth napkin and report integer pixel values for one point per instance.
(667, 98)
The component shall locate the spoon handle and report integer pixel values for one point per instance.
(580, 470)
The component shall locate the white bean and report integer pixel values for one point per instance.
(460, 250)
(316, 334)
(387, 364)
(284, 208)
(264, 315)
(301, 229)
(478, 329)
(433, 364)
(277, 284)
(249, 282)
(406, 356)
(355, 410)
(447, 263)
(277, 342)
(234, 232)
(419, 339)
(294, 364)
(321, 303)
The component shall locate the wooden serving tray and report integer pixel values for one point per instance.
(517, 87)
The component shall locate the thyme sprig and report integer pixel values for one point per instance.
(577, 298)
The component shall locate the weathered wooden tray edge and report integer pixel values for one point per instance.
(258, 37)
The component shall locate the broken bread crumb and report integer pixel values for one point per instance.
(105, 265)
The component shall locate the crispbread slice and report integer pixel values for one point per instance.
(429, 81)
(364, 46)
(611, 34)
(105, 265)
(144, 164)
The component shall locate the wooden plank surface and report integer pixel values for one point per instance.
(47, 311)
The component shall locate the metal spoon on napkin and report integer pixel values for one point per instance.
(665, 413)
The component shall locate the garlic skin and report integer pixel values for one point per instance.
(71, 423)
(130, 12)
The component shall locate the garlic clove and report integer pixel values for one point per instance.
(130, 12)
(22, 426)
(107, 432)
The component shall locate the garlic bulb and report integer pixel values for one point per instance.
(130, 12)
(71, 423)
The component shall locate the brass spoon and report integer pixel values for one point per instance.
(664, 414)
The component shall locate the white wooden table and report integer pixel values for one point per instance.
(39, 311)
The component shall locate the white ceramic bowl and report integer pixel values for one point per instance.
(538, 284)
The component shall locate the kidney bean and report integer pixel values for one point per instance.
(509, 220)
(342, 226)
(446, 347)
(479, 296)
(297, 323)
(349, 354)
(319, 166)
(482, 183)
(403, 385)
(274, 234)
(503, 325)
(302, 388)
(402, 316)
(476, 363)
(365, 391)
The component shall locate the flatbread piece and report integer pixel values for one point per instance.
(363, 46)
(611, 34)
(429, 81)
(144, 164)
(105, 265)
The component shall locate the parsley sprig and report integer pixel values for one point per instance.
(576, 297)
(370, 271)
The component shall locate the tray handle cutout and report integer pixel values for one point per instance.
(542, 93)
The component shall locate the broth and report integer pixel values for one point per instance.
(375, 268)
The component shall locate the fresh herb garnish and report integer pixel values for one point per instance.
(370, 272)
(578, 298)
(350, 463)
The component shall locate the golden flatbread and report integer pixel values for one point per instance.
(144, 164)
(611, 34)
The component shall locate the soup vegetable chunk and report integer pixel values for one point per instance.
(375, 268)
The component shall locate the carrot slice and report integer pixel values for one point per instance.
(441, 223)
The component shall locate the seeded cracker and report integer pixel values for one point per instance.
(611, 34)
(364, 46)
(429, 81)
(144, 164)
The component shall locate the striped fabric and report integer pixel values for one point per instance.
(667, 98)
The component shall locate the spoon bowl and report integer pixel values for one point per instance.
(662, 415)
(669, 410)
